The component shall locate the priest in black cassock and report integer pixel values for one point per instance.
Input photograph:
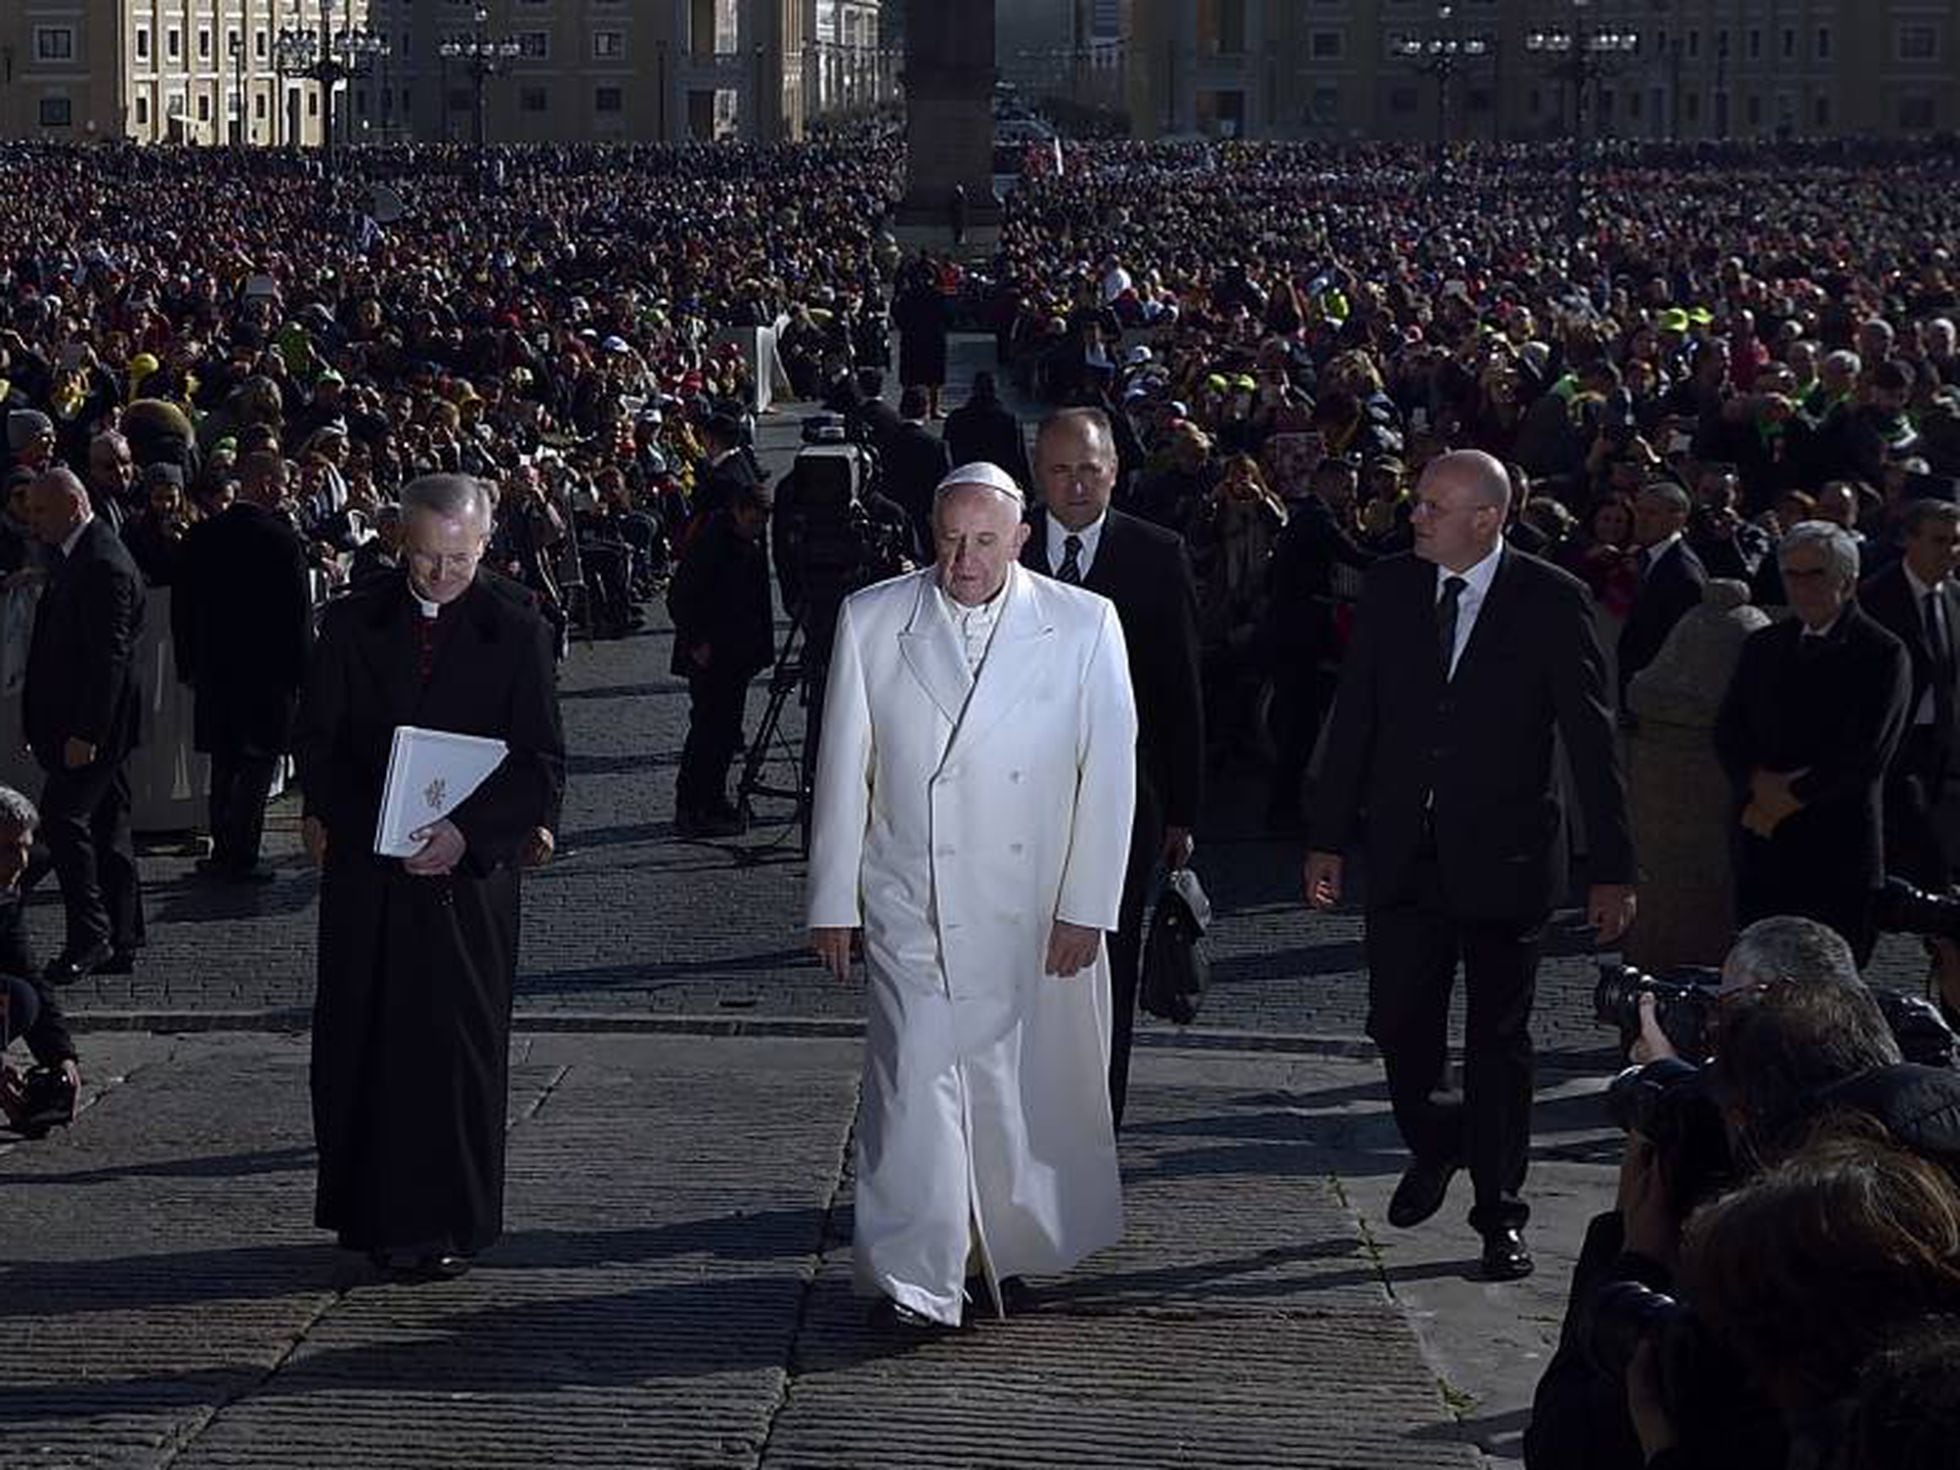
(417, 955)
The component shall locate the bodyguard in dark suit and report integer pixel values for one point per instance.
(915, 462)
(1916, 601)
(82, 710)
(242, 618)
(983, 430)
(1812, 717)
(1671, 577)
(1144, 571)
(418, 955)
(1467, 659)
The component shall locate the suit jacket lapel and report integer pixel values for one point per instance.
(1012, 665)
(931, 650)
(1496, 607)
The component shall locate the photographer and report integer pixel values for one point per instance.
(45, 1095)
(1819, 1026)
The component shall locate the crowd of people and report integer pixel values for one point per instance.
(1735, 386)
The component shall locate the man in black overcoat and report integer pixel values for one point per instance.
(916, 460)
(984, 430)
(82, 712)
(1917, 601)
(1812, 717)
(724, 633)
(1145, 572)
(242, 618)
(1468, 658)
(1671, 577)
(417, 956)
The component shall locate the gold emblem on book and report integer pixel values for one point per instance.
(434, 792)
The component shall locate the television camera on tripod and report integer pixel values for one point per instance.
(833, 531)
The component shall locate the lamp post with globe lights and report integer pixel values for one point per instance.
(1581, 55)
(1439, 53)
(483, 56)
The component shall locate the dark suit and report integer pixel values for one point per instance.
(719, 597)
(722, 484)
(1464, 838)
(1832, 707)
(411, 1021)
(915, 462)
(983, 430)
(1917, 776)
(1668, 589)
(82, 683)
(1145, 572)
(242, 619)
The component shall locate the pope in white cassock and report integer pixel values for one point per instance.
(972, 816)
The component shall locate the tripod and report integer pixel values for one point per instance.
(795, 673)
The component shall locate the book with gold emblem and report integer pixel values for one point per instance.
(430, 774)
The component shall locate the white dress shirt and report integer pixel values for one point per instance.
(1470, 601)
(974, 625)
(1090, 535)
(1924, 715)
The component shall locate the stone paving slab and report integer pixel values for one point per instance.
(674, 1287)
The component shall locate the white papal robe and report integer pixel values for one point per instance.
(956, 817)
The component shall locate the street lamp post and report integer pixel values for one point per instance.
(483, 56)
(1582, 56)
(236, 45)
(295, 50)
(1439, 54)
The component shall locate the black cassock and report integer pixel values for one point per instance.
(411, 1021)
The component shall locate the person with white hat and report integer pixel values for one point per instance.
(974, 789)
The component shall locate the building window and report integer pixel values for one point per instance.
(1823, 43)
(173, 44)
(1755, 44)
(259, 44)
(1691, 105)
(203, 108)
(57, 112)
(1789, 44)
(259, 107)
(1694, 43)
(1917, 114)
(532, 99)
(1326, 105)
(1327, 45)
(608, 45)
(54, 43)
(609, 99)
(1221, 27)
(1820, 113)
(143, 44)
(203, 44)
(1916, 42)
(142, 110)
(1752, 111)
(312, 104)
(534, 45)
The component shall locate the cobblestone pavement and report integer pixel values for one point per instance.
(633, 926)
(674, 1285)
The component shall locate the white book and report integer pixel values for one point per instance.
(430, 774)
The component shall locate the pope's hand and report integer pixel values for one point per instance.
(833, 948)
(442, 848)
(1072, 948)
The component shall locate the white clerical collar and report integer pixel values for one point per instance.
(427, 608)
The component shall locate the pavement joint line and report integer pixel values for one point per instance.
(792, 1363)
(544, 1094)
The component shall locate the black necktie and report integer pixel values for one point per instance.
(1446, 621)
(1936, 636)
(1071, 568)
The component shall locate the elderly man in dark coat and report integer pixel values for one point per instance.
(241, 616)
(418, 955)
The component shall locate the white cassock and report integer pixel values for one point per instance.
(956, 817)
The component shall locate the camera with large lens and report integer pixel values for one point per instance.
(1668, 1103)
(1685, 1001)
(827, 545)
(1902, 908)
(37, 1100)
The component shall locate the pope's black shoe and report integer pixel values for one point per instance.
(900, 1320)
(1505, 1256)
(1420, 1193)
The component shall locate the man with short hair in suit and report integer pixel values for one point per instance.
(984, 429)
(1916, 600)
(82, 711)
(1811, 719)
(1468, 657)
(1671, 576)
(242, 622)
(915, 462)
(1078, 538)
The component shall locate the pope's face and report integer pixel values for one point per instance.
(979, 534)
(442, 554)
